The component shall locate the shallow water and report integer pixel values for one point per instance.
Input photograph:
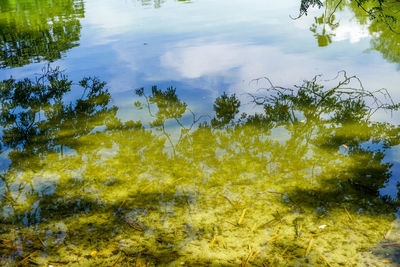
(288, 168)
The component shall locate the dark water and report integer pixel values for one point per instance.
(196, 133)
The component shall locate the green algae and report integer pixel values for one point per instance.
(86, 189)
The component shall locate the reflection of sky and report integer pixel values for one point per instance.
(209, 46)
(393, 156)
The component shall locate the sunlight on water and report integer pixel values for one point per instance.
(296, 184)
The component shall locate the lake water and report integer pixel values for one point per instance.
(197, 133)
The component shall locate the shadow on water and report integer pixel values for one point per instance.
(34, 31)
(296, 184)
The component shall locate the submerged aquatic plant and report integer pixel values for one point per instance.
(253, 192)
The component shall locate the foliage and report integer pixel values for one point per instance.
(226, 108)
(306, 4)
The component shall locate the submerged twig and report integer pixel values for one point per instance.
(212, 241)
(348, 214)
(309, 247)
(326, 262)
(273, 238)
(284, 251)
(26, 258)
(242, 217)
(388, 233)
(115, 263)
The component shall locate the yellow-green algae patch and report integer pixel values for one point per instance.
(219, 194)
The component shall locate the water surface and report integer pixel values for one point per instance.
(198, 133)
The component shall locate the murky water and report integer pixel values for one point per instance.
(196, 133)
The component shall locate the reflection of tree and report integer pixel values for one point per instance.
(232, 191)
(37, 123)
(306, 4)
(382, 18)
(158, 3)
(332, 118)
(32, 31)
(32, 113)
(324, 38)
(169, 107)
(326, 21)
(384, 29)
(225, 107)
(325, 165)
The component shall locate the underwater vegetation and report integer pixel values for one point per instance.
(297, 184)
